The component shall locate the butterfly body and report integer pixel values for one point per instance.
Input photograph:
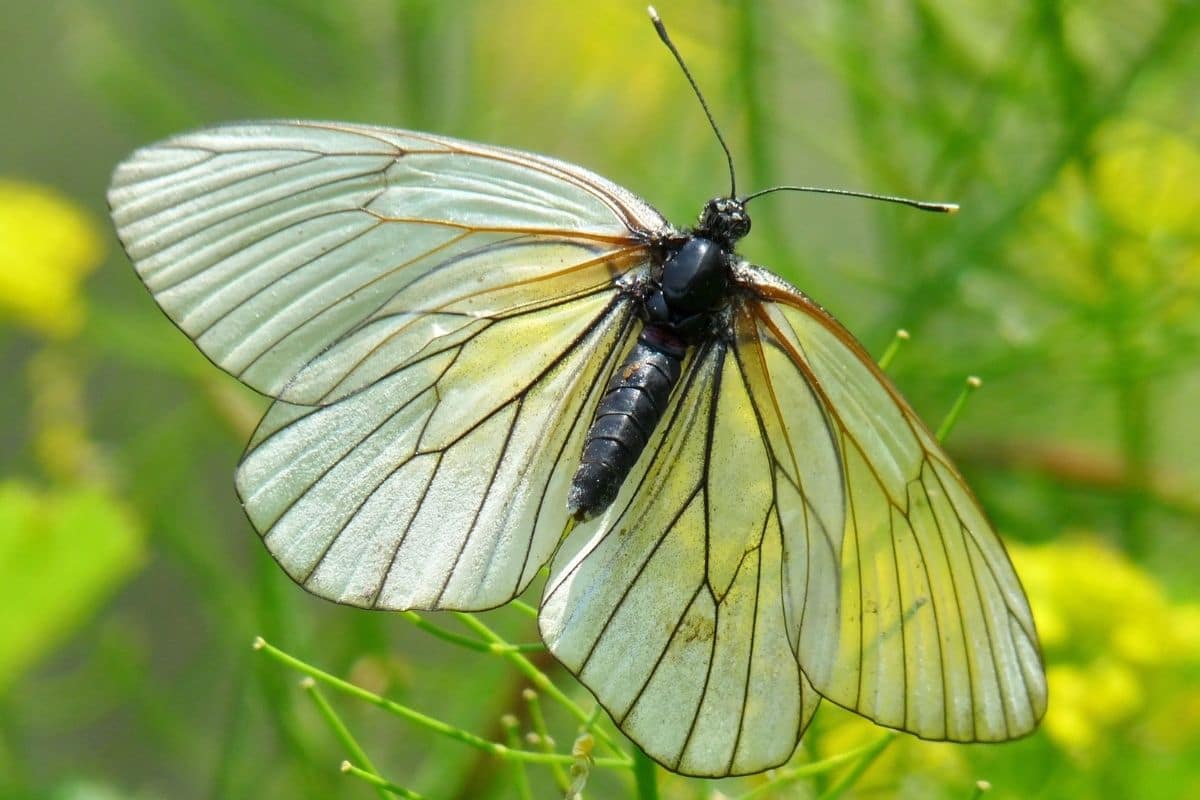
(683, 307)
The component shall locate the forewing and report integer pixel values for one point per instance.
(670, 608)
(442, 485)
(911, 613)
(297, 255)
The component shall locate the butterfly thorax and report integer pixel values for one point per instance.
(694, 280)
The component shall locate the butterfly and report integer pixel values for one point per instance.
(485, 361)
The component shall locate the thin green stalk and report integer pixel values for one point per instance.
(235, 728)
(645, 775)
(866, 760)
(339, 729)
(14, 766)
(538, 720)
(593, 719)
(1129, 385)
(425, 721)
(1135, 436)
(972, 383)
(753, 70)
(379, 783)
(878, 147)
(893, 348)
(512, 734)
(753, 63)
(787, 777)
(524, 608)
(466, 641)
(980, 788)
(543, 683)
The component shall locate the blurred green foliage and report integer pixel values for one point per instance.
(131, 586)
(40, 553)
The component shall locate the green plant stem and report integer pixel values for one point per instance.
(339, 729)
(751, 63)
(425, 721)
(234, 732)
(972, 383)
(466, 641)
(1129, 384)
(893, 348)
(787, 777)
(872, 752)
(538, 720)
(542, 683)
(512, 734)
(386, 787)
(1133, 408)
(524, 608)
(645, 776)
(979, 789)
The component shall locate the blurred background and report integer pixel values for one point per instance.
(131, 585)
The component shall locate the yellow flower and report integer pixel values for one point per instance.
(47, 246)
(1185, 630)
(1146, 178)
(1094, 600)
(1089, 700)
(1114, 640)
(63, 552)
(602, 53)
(1126, 222)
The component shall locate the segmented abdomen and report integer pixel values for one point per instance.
(631, 407)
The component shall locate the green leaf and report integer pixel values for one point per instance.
(62, 553)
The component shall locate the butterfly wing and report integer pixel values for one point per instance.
(791, 495)
(434, 318)
(907, 610)
(444, 484)
(670, 605)
(295, 254)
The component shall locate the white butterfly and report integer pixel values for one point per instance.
(438, 321)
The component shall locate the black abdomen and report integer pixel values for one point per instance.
(631, 407)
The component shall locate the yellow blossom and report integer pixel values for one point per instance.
(1111, 635)
(1146, 178)
(47, 246)
(1097, 599)
(537, 33)
(1124, 221)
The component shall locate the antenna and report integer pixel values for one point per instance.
(662, 34)
(924, 205)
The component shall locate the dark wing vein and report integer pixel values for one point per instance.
(673, 621)
(902, 622)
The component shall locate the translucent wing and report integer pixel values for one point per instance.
(670, 606)
(444, 484)
(433, 317)
(908, 611)
(295, 254)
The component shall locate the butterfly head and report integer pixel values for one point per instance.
(724, 220)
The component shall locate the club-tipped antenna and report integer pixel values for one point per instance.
(924, 205)
(662, 34)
